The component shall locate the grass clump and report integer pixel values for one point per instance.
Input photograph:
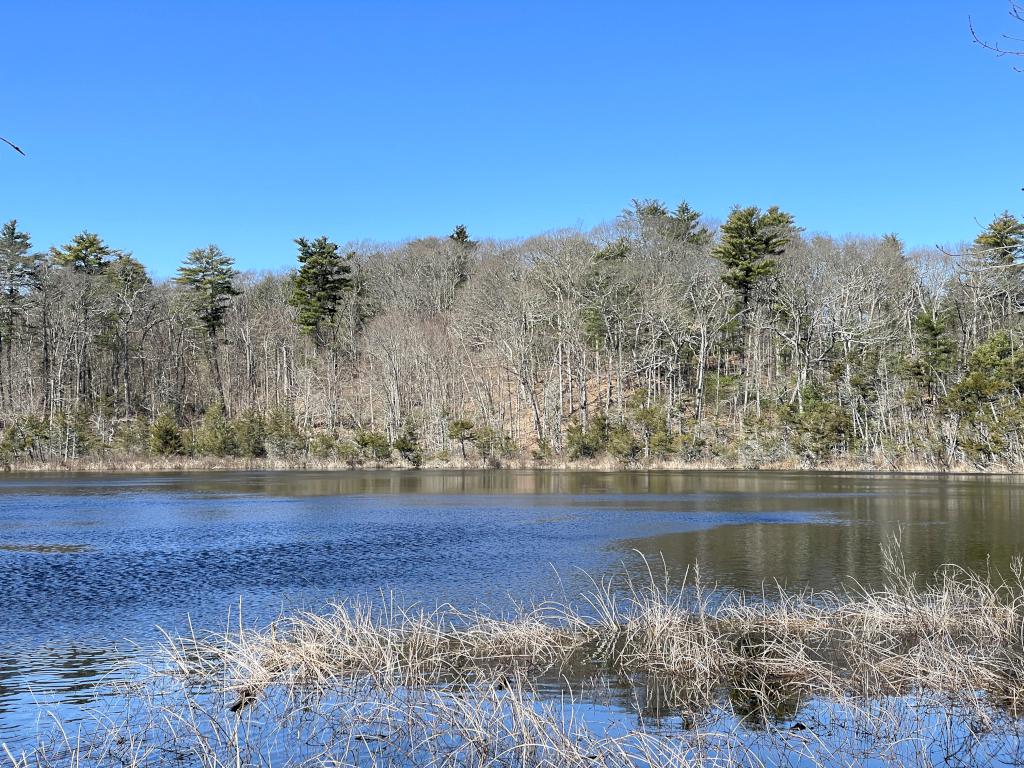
(915, 672)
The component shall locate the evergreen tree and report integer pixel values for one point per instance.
(209, 276)
(374, 445)
(283, 438)
(408, 445)
(1002, 242)
(16, 265)
(165, 436)
(217, 436)
(251, 435)
(936, 356)
(461, 430)
(460, 263)
(17, 274)
(461, 236)
(85, 253)
(319, 284)
(750, 241)
(684, 226)
(87, 257)
(587, 443)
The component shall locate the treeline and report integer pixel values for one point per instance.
(659, 337)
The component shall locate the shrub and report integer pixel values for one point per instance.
(322, 446)
(251, 435)
(373, 445)
(132, 436)
(461, 430)
(348, 452)
(408, 445)
(822, 430)
(622, 443)
(216, 435)
(587, 443)
(284, 438)
(165, 436)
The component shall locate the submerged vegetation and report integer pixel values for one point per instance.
(910, 673)
(661, 338)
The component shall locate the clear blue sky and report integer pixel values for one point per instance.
(164, 127)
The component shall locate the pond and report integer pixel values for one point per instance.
(92, 565)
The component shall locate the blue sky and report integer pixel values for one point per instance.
(164, 127)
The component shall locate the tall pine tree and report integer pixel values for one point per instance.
(209, 276)
(684, 226)
(85, 253)
(1002, 242)
(319, 284)
(17, 275)
(750, 241)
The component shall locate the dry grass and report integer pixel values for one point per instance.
(910, 673)
(115, 463)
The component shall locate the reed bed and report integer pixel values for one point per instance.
(636, 672)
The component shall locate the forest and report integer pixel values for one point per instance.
(662, 338)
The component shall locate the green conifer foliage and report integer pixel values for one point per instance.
(17, 267)
(684, 226)
(217, 435)
(18, 273)
(1002, 242)
(461, 430)
(251, 435)
(165, 436)
(408, 445)
(319, 284)
(284, 438)
(209, 276)
(750, 241)
(461, 236)
(85, 253)
(374, 445)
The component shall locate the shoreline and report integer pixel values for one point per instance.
(148, 465)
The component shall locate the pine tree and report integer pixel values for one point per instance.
(684, 226)
(87, 257)
(319, 284)
(251, 435)
(460, 262)
(408, 445)
(461, 430)
(85, 253)
(750, 241)
(165, 437)
(461, 236)
(1002, 242)
(209, 276)
(217, 435)
(16, 265)
(17, 274)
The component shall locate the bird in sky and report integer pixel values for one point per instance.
(14, 146)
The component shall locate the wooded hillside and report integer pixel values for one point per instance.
(659, 337)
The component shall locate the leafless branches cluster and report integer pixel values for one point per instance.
(1006, 44)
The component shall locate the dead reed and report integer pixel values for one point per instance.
(918, 671)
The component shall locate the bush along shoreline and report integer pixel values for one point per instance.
(252, 441)
(635, 671)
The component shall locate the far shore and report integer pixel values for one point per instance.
(142, 465)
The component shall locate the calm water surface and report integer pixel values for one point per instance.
(90, 562)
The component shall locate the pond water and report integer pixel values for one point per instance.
(91, 565)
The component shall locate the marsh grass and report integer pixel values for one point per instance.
(915, 672)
